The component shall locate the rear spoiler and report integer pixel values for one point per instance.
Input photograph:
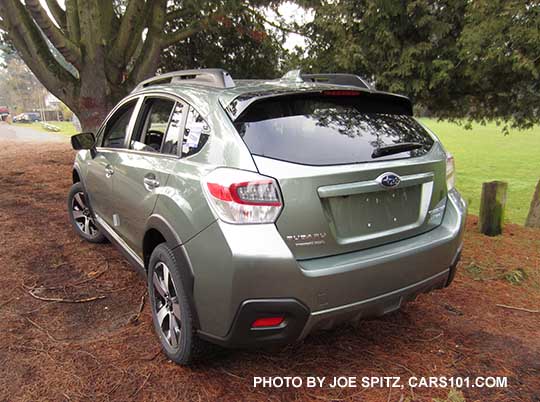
(397, 104)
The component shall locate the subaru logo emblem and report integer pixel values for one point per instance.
(389, 180)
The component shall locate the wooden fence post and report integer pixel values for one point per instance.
(533, 219)
(492, 205)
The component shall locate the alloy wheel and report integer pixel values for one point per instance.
(166, 305)
(82, 215)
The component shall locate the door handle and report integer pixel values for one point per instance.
(109, 171)
(150, 182)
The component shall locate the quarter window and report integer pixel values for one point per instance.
(117, 126)
(196, 133)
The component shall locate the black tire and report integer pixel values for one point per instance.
(80, 216)
(186, 346)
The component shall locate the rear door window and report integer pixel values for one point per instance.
(170, 146)
(152, 124)
(328, 130)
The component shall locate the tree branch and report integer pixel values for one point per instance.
(175, 14)
(69, 50)
(35, 52)
(93, 39)
(57, 12)
(147, 61)
(107, 18)
(131, 28)
(181, 35)
(194, 28)
(72, 20)
(262, 18)
(135, 42)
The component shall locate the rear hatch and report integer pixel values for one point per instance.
(355, 169)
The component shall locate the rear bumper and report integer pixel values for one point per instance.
(299, 322)
(242, 335)
(246, 271)
(379, 305)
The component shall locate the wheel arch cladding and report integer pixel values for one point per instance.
(152, 238)
(159, 231)
(76, 177)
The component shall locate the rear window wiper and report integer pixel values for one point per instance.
(386, 150)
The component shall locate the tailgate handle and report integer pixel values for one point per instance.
(361, 187)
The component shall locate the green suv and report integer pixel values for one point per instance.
(260, 211)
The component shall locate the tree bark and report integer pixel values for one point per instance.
(103, 54)
(533, 219)
(492, 205)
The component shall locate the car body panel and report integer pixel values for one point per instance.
(253, 261)
(133, 201)
(315, 226)
(179, 202)
(99, 185)
(222, 148)
(353, 273)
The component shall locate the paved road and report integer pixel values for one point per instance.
(13, 132)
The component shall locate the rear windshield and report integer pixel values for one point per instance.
(329, 130)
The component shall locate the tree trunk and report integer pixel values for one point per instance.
(93, 108)
(533, 219)
(98, 55)
(492, 205)
(96, 100)
(97, 94)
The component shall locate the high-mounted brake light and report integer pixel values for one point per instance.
(450, 172)
(267, 322)
(238, 196)
(340, 92)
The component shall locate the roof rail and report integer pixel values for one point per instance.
(212, 77)
(326, 78)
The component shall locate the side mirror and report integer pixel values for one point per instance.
(83, 141)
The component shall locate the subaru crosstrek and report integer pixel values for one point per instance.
(260, 211)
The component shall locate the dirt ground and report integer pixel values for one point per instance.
(103, 350)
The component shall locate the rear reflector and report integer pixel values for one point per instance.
(267, 322)
(450, 172)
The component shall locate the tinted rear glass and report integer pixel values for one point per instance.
(328, 130)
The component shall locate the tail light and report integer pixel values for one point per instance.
(238, 196)
(450, 172)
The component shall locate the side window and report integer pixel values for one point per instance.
(170, 146)
(196, 133)
(116, 128)
(152, 124)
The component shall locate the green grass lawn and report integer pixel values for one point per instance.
(485, 154)
(66, 127)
